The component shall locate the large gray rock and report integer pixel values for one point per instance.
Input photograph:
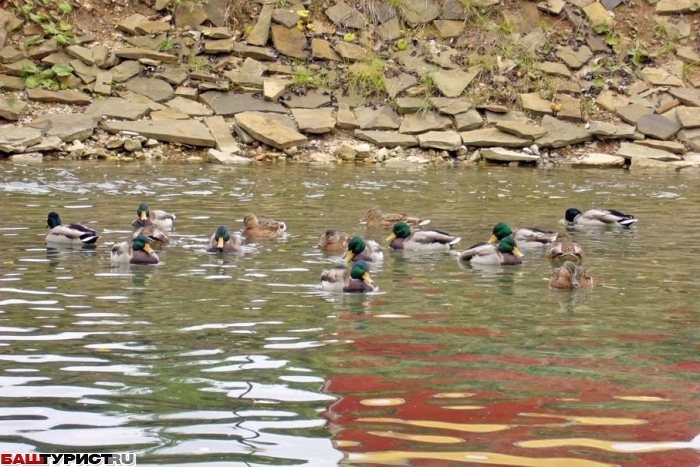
(228, 104)
(225, 158)
(534, 105)
(314, 121)
(11, 108)
(506, 155)
(451, 83)
(386, 139)
(189, 107)
(422, 122)
(115, 107)
(443, 140)
(670, 146)
(609, 130)
(596, 159)
(251, 51)
(289, 41)
(350, 52)
(657, 126)
(574, 58)
(450, 105)
(68, 127)
(560, 134)
(493, 137)
(686, 96)
(398, 83)
(659, 77)
(467, 121)
(691, 137)
(633, 151)
(688, 117)
(67, 96)
(125, 71)
(189, 132)
(633, 112)
(155, 89)
(136, 53)
(261, 31)
(383, 118)
(343, 14)
(269, 131)
(321, 50)
(310, 100)
(189, 15)
(416, 12)
(521, 130)
(345, 119)
(15, 140)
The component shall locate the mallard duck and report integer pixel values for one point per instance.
(147, 217)
(363, 250)
(570, 276)
(136, 252)
(525, 237)
(505, 253)
(375, 218)
(258, 227)
(333, 240)
(75, 234)
(402, 238)
(223, 242)
(599, 217)
(354, 278)
(154, 234)
(564, 249)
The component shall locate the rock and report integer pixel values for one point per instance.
(492, 137)
(310, 100)
(449, 105)
(125, 70)
(447, 28)
(218, 46)
(68, 127)
(274, 88)
(686, 96)
(422, 122)
(633, 112)
(221, 132)
(13, 139)
(506, 155)
(103, 83)
(29, 158)
(189, 107)
(445, 140)
(670, 146)
(608, 130)
(216, 11)
(67, 96)
(553, 7)
(190, 132)
(533, 104)
(155, 89)
(690, 138)
(87, 74)
(81, 53)
(321, 50)
(321, 158)
(114, 143)
(560, 134)
(597, 14)
(451, 83)
(42, 50)
(467, 121)
(139, 99)
(687, 55)
(346, 152)
(633, 151)
(409, 105)
(48, 143)
(344, 15)
(314, 120)
(390, 30)
(398, 83)
(228, 104)
(269, 131)
(657, 126)
(668, 7)
(345, 120)
(574, 58)
(596, 159)
(189, 15)
(553, 69)
(173, 76)
(383, 118)
(521, 130)
(511, 115)
(11, 108)
(11, 83)
(610, 100)
(659, 77)
(168, 114)
(688, 117)
(570, 108)
(152, 27)
(15, 68)
(350, 52)
(388, 139)
(416, 12)
(225, 158)
(129, 24)
(132, 145)
(258, 53)
(261, 31)
(289, 41)
(285, 17)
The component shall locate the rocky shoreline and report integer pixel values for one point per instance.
(396, 82)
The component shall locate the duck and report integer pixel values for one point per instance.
(360, 249)
(223, 242)
(375, 218)
(525, 237)
(402, 238)
(333, 240)
(258, 227)
(599, 217)
(570, 277)
(74, 234)
(136, 252)
(564, 249)
(146, 217)
(505, 253)
(348, 279)
(154, 233)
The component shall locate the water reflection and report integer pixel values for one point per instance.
(242, 359)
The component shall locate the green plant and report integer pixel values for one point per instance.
(48, 78)
(505, 26)
(54, 26)
(166, 44)
(587, 106)
(638, 54)
(427, 82)
(302, 76)
(367, 78)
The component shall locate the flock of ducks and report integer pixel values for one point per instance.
(406, 234)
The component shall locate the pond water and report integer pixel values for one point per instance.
(245, 361)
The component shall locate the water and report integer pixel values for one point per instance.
(244, 361)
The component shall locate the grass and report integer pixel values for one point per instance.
(303, 77)
(367, 77)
